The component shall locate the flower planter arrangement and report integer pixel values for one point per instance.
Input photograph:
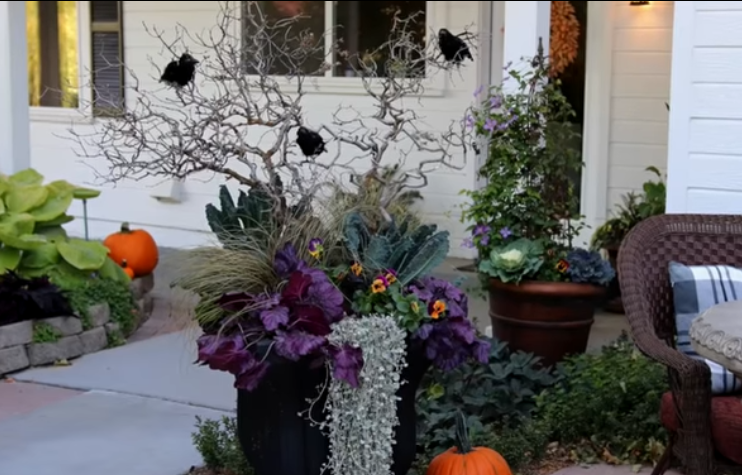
(543, 290)
(342, 331)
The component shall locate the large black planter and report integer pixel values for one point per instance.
(276, 440)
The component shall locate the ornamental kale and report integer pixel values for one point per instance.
(451, 340)
(589, 267)
(514, 261)
(297, 319)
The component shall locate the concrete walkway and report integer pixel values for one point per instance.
(125, 411)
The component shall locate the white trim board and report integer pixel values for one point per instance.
(680, 108)
(597, 122)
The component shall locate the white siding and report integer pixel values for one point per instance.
(184, 224)
(640, 83)
(705, 164)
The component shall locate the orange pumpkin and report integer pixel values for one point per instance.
(135, 246)
(467, 460)
(127, 269)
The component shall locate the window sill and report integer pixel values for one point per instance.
(353, 86)
(58, 115)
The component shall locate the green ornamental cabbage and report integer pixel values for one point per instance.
(514, 261)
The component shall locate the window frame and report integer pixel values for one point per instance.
(435, 86)
(82, 112)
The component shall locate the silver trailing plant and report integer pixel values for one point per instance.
(361, 421)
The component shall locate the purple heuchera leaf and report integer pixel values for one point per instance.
(286, 261)
(274, 318)
(295, 344)
(347, 363)
(228, 353)
(235, 301)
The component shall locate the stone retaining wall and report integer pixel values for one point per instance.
(18, 350)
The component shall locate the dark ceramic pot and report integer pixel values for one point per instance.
(276, 440)
(549, 319)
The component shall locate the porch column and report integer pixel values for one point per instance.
(525, 22)
(15, 146)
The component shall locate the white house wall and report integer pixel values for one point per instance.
(705, 164)
(640, 83)
(184, 224)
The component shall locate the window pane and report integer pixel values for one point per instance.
(51, 32)
(364, 27)
(284, 47)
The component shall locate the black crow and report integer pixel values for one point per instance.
(179, 73)
(452, 47)
(310, 142)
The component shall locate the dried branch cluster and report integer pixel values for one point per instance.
(239, 117)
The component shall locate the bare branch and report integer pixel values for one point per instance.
(236, 119)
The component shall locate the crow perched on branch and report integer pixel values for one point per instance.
(452, 47)
(181, 72)
(310, 142)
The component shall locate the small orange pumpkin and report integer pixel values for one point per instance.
(127, 269)
(135, 246)
(467, 460)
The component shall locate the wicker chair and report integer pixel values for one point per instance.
(643, 268)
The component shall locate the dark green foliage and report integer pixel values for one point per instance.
(520, 441)
(97, 291)
(608, 404)
(500, 394)
(251, 216)
(412, 253)
(217, 443)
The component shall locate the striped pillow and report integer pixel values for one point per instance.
(696, 289)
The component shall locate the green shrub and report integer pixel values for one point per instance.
(497, 395)
(607, 405)
(217, 443)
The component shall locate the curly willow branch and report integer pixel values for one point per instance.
(236, 118)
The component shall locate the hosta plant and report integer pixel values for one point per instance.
(33, 242)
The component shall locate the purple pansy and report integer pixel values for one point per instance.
(495, 102)
(469, 121)
(490, 125)
(467, 243)
(478, 91)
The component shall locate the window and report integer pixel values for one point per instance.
(54, 58)
(358, 28)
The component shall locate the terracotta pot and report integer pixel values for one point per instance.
(550, 319)
(615, 304)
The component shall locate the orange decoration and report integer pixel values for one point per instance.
(127, 269)
(463, 459)
(565, 36)
(133, 248)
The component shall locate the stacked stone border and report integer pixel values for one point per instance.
(18, 350)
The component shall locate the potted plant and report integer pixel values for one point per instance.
(634, 209)
(304, 327)
(543, 291)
